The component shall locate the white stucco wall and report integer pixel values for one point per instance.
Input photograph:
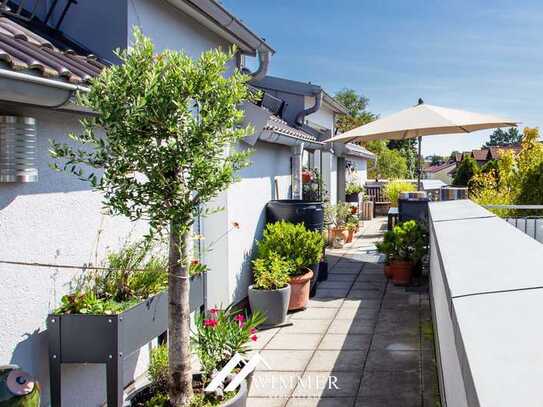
(56, 220)
(170, 28)
(323, 117)
(244, 203)
(361, 166)
(329, 175)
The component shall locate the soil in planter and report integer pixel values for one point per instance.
(148, 397)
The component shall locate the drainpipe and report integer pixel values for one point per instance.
(302, 115)
(297, 161)
(263, 63)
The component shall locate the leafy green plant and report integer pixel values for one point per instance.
(293, 242)
(220, 334)
(407, 241)
(353, 188)
(158, 147)
(465, 171)
(272, 273)
(336, 216)
(393, 189)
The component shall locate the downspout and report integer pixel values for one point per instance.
(302, 115)
(263, 63)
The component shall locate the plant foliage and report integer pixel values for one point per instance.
(293, 242)
(393, 189)
(273, 272)
(466, 170)
(406, 241)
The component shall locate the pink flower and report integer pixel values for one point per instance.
(240, 318)
(254, 338)
(210, 323)
(213, 311)
(253, 330)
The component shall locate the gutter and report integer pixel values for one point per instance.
(215, 17)
(38, 80)
(304, 113)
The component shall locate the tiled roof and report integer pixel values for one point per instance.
(280, 126)
(437, 168)
(495, 152)
(480, 155)
(23, 50)
(358, 150)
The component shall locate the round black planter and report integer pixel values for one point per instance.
(315, 268)
(310, 213)
(272, 303)
(351, 197)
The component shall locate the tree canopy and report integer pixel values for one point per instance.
(465, 171)
(500, 137)
(356, 105)
(389, 164)
(162, 142)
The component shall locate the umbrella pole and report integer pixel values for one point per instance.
(419, 165)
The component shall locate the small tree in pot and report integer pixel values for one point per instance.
(270, 293)
(169, 125)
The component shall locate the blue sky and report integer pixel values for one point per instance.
(483, 56)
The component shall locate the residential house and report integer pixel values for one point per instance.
(312, 110)
(443, 172)
(56, 221)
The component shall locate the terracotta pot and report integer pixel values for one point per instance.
(340, 233)
(388, 271)
(401, 271)
(350, 234)
(354, 209)
(299, 292)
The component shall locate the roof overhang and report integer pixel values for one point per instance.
(215, 17)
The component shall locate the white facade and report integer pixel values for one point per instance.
(56, 221)
(358, 170)
(59, 221)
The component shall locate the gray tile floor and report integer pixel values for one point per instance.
(362, 342)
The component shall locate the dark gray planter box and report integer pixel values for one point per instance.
(76, 338)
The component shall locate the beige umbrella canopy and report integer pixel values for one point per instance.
(422, 120)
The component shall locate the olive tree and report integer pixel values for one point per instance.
(161, 141)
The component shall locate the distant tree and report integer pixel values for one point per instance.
(453, 155)
(465, 171)
(502, 137)
(408, 150)
(356, 105)
(389, 164)
(437, 160)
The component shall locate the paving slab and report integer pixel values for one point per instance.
(294, 342)
(337, 361)
(314, 313)
(376, 382)
(345, 342)
(388, 360)
(328, 385)
(391, 400)
(318, 402)
(306, 326)
(274, 384)
(353, 326)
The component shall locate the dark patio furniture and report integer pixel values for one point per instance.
(381, 204)
(392, 218)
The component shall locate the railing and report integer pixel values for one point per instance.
(487, 296)
(532, 225)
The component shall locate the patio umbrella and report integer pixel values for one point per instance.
(422, 120)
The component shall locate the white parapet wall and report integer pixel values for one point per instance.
(487, 297)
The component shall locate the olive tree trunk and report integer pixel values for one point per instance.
(180, 392)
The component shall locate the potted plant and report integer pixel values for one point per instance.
(270, 293)
(336, 217)
(217, 337)
(123, 298)
(351, 230)
(403, 246)
(167, 175)
(352, 191)
(303, 248)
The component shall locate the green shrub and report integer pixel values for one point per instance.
(292, 242)
(158, 369)
(272, 273)
(393, 189)
(406, 241)
(465, 171)
(336, 215)
(353, 188)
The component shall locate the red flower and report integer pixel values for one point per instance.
(214, 310)
(253, 330)
(195, 262)
(254, 338)
(240, 318)
(210, 323)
